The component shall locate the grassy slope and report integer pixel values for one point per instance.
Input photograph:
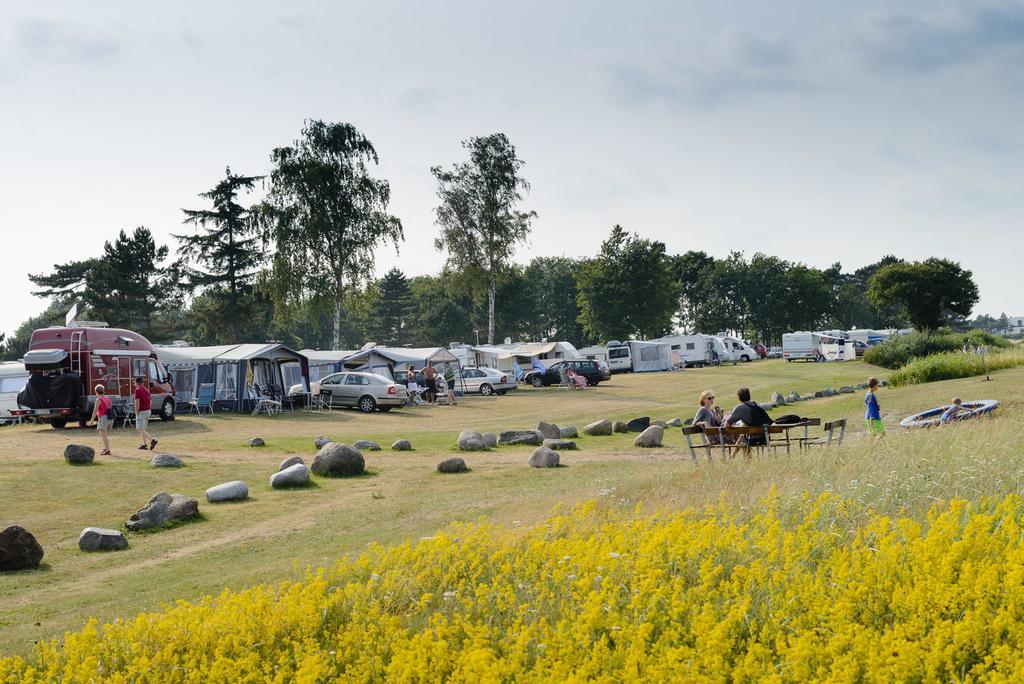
(275, 534)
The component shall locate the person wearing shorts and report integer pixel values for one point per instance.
(873, 415)
(101, 414)
(143, 406)
(430, 378)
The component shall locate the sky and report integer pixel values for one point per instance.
(820, 132)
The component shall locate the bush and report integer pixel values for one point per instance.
(952, 365)
(899, 350)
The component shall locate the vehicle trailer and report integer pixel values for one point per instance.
(66, 363)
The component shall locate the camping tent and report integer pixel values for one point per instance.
(323, 363)
(650, 356)
(401, 357)
(233, 369)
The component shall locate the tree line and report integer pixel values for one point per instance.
(298, 266)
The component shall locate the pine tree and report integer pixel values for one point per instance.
(392, 310)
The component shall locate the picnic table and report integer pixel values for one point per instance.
(730, 439)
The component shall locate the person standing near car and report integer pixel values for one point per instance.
(430, 378)
(101, 414)
(143, 410)
(449, 380)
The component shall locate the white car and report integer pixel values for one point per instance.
(483, 380)
(366, 391)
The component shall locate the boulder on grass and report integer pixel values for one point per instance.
(257, 442)
(452, 465)
(528, 437)
(319, 441)
(819, 394)
(675, 422)
(808, 397)
(289, 462)
(471, 441)
(560, 444)
(490, 440)
(601, 428)
(19, 550)
(236, 490)
(162, 509)
(401, 445)
(548, 430)
(778, 399)
(793, 397)
(568, 432)
(338, 459)
(651, 437)
(659, 423)
(366, 445)
(883, 383)
(542, 457)
(767, 406)
(619, 426)
(638, 424)
(166, 461)
(79, 454)
(295, 475)
(100, 539)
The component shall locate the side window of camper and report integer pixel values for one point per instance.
(138, 367)
(154, 372)
(690, 346)
(618, 353)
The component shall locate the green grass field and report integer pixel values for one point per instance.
(276, 534)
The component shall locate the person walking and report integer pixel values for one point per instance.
(143, 406)
(411, 385)
(449, 379)
(873, 415)
(101, 414)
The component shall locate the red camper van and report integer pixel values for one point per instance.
(65, 364)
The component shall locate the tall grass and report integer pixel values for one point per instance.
(899, 350)
(952, 365)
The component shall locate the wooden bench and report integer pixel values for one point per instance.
(733, 439)
(829, 434)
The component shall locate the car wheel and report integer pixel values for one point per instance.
(167, 410)
(367, 404)
(536, 381)
(744, 358)
(486, 390)
(58, 423)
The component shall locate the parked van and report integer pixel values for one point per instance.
(803, 345)
(619, 358)
(66, 363)
(13, 377)
(738, 349)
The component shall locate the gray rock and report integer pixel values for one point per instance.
(808, 397)
(845, 389)
(883, 383)
(166, 461)
(830, 392)
(542, 457)
(79, 454)
(675, 422)
(688, 422)
(819, 394)
(490, 440)
(638, 424)
(19, 550)
(338, 459)
(529, 437)
(560, 444)
(767, 406)
(548, 430)
(471, 441)
(401, 445)
(100, 539)
(452, 465)
(793, 397)
(319, 441)
(651, 437)
(295, 475)
(601, 428)
(162, 509)
(619, 426)
(236, 490)
(778, 399)
(366, 445)
(257, 442)
(289, 462)
(568, 432)
(660, 423)
(862, 385)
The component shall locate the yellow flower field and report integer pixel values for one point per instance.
(818, 590)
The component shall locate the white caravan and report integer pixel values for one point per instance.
(867, 336)
(619, 358)
(639, 357)
(803, 345)
(692, 351)
(737, 349)
(595, 353)
(13, 377)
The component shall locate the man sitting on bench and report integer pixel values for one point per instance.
(750, 414)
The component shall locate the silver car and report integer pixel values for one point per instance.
(366, 391)
(486, 381)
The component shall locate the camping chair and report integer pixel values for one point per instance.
(264, 402)
(321, 401)
(202, 400)
(122, 413)
(829, 430)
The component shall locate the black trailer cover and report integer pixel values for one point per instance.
(36, 394)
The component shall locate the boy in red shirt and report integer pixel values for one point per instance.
(143, 406)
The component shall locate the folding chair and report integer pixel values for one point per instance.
(322, 401)
(265, 403)
(202, 400)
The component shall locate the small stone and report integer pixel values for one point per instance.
(100, 539)
(366, 445)
(257, 442)
(659, 423)
(808, 397)
(490, 440)
(289, 462)
(236, 490)
(883, 383)
(401, 445)
(543, 457)
(651, 437)
(548, 430)
(560, 444)
(638, 424)
(778, 399)
(831, 391)
(338, 459)
(862, 385)
(568, 432)
(295, 475)
(19, 550)
(845, 389)
(819, 394)
(619, 426)
(528, 437)
(166, 461)
(600, 428)
(319, 441)
(162, 509)
(471, 441)
(767, 406)
(452, 465)
(793, 397)
(79, 454)
(675, 422)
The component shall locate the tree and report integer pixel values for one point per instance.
(325, 215)
(554, 286)
(929, 292)
(517, 313)
(439, 315)
(480, 225)
(722, 304)
(392, 310)
(628, 290)
(15, 346)
(227, 257)
(691, 272)
(126, 287)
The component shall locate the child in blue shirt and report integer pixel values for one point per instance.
(873, 416)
